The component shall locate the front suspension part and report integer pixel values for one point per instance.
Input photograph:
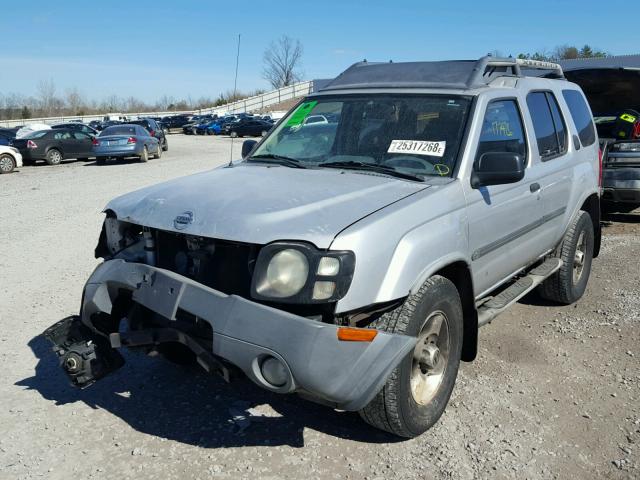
(84, 356)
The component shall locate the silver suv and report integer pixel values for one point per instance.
(353, 260)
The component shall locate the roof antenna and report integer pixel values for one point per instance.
(235, 89)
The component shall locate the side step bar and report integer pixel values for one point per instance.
(493, 307)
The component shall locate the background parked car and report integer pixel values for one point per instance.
(190, 127)
(54, 145)
(78, 127)
(10, 158)
(6, 136)
(127, 140)
(255, 128)
(31, 127)
(154, 129)
(176, 121)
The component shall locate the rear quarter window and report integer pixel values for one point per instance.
(581, 116)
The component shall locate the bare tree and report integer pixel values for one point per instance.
(46, 93)
(75, 102)
(282, 62)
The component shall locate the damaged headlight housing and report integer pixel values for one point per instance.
(300, 273)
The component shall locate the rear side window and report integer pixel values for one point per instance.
(502, 129)
(549, 126)
(581, 116)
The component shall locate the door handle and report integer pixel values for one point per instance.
(534, 187)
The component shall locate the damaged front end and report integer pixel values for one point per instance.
(158, 290)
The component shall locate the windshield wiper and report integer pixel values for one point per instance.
(373, 167)
(279, 159)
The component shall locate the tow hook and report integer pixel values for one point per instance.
(84, 356)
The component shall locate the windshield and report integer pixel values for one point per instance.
(415, 134)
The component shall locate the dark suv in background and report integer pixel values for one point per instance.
(176, 121)
(155, 129)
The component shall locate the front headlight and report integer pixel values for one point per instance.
(286, 274)
(300, 273)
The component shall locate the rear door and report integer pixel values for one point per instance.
(553, 154)
(64, 139)
(504, 220)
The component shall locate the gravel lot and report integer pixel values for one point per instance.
(555, 392)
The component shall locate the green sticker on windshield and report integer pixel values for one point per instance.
(301, 113)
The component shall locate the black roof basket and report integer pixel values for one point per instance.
(456, 74)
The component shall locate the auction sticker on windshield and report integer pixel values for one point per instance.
(301, 113)
(418, 147)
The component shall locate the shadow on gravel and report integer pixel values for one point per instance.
(189, 406)
(108, 163)
(610, 218)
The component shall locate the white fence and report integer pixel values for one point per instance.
(250, 104)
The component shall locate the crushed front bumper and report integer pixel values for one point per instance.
(344, 374)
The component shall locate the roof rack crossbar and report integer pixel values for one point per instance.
(483, 72)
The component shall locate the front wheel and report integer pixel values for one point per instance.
(233, 134)
(417, 391)
(7, 163)
(568, 284)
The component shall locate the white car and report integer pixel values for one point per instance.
(10, 158)
(30, 128)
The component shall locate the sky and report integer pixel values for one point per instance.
(147, 49)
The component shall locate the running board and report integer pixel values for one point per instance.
(493, 307)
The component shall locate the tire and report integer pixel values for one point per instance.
(568, 284)
(165, 145)
(209, 132)
(402, 407)
(54, 157)
(144, 158)
(233, 134)
(7, 163)
(159, 154)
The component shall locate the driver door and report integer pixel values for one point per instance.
(504, 220)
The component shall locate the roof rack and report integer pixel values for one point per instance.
(457, 74)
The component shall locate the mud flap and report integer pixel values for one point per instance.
(83, 355)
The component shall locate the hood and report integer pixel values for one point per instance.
(609, 90)
(261, 204)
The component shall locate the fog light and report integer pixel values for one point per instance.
(274, 372)
(323, 290)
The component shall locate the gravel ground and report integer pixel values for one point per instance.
(554, 393)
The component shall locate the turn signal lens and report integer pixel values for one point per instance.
(328, 266)
(323, 290)
(348, 334)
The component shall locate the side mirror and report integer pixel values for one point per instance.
(247, 146)
(497, 168)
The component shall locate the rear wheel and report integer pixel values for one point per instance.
(7, 163)
(145, 155)
(233, 134)
(568, 284)
(54, 157)
(159, 153)
(417, 391)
